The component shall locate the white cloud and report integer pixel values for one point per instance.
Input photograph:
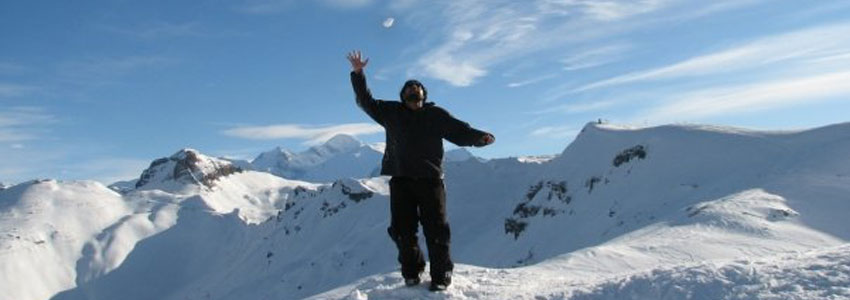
(311, 134)
(473, 36)
(613, 10)
(798, 46)
(595, 57)
(555, 132)
(531, 81)
(840, 57)
(388, 23)
(575, 108)
(456, 73)
(752, 97)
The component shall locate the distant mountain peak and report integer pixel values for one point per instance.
(458, 155)
(343, 141)
(337, 144)
(187, 166)
(341, 156)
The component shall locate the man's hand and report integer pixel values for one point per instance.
(357, 63)
(486, 140)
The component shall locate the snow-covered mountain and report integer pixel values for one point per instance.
(459, 155)
(342, 156)
(184, 167)
(671, 212)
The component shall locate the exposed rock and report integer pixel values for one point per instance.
(187, 166)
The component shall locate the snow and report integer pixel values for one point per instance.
(124, 186)
(388, 22)
(536, 159)
(45, 227)
(340, 157)
(187, 166)
(817, 274)
(669, 212)
(343, 156)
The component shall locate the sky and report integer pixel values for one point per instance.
(98, 89)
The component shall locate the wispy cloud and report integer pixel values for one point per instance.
(401, 5)
(267, 7)
(797, 46)
(531, 81)
(12, 68)
(455, 72)
(555, 132)
(474, 36)
(311, 135)
(752, 97)
(347, 3)
(575, 108)
(602, 10)
(23, 123)
(9, 90)
(595, 57)
(102, 71)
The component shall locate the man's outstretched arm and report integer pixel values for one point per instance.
(364, 97)
(460, 133)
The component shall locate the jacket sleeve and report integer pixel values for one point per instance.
(373, 108)
(459, 132)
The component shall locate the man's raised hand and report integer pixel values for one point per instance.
(487, 139)
(357, 62)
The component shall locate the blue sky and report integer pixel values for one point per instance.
(98, 89)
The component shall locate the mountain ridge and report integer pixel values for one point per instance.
(616, 201)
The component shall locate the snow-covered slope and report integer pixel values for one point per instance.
(815, 274)
(622, 211)
(45, 228)
(652, 201)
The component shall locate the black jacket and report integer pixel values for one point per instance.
(414, 137)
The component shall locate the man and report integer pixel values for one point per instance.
(415, 130)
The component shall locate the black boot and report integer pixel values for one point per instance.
(412, 281)
(441, 282)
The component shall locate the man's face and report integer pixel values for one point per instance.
(413, 93)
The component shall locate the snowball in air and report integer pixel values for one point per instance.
(389, 22)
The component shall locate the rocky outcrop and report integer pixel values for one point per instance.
(187, 166)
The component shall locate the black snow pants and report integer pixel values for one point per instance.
(413, 201)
